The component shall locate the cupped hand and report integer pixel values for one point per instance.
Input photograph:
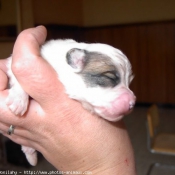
(69, 137)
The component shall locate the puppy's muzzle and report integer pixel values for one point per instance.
(119, 106)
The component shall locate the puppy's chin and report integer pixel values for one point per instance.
(112, 113)
(108, 114)
(113, 118)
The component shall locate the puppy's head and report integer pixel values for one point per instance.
(105, 73)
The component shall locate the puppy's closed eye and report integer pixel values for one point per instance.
(104, 79)
(112, 75)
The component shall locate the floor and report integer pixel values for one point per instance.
(136, 124)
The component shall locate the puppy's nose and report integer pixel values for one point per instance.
(131, 105)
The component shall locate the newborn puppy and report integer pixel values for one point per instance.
(97, 75)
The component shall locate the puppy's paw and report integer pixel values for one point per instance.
(31, 155)
(17, 101)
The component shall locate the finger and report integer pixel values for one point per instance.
(3, 76)
(20, 135)
(18, 131)
(25, 125)
(9, 118)
(4, 128)
(28, 43)
(35, 75)
(6, 116)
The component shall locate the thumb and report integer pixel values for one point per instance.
(34, 74)
(28, 43)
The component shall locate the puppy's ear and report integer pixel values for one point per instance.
(76, 59)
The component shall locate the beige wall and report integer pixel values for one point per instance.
(66, 12)
(7, 12)
(6, 49)
(102, 12)
(88, 12)
(107, 12)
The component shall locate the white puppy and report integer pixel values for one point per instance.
(97, 75)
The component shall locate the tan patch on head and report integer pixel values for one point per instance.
(99, 64)
(100, 70)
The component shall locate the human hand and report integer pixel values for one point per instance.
(68, 136)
